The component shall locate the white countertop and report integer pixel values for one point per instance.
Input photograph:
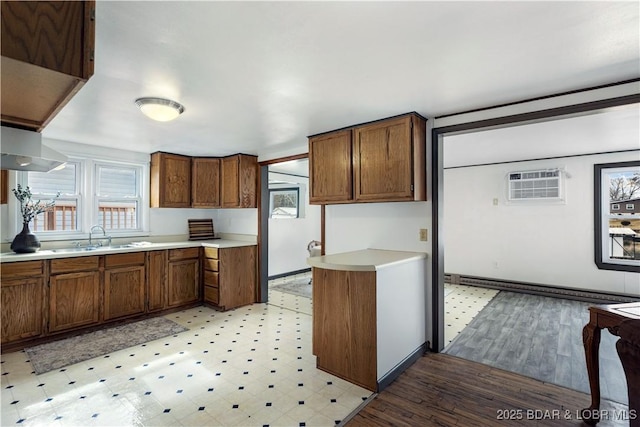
(364, 260)
(50, 254)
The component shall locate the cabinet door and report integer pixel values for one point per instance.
(330, 168)
(47, 55)
(184, 282)
(237, 276)
(205, 182)
(123, 292)
(170, 181)
(383, 161)
(74, 300)
(156, 280)
(230, 185)
(22, 302)
(344, 324)
(239, 181)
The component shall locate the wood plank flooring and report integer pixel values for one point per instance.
(540, 337)
(444, 390)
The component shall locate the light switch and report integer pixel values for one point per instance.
(423, 235)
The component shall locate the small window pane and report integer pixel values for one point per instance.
(115, 215)
(50, 183)
(117, 181)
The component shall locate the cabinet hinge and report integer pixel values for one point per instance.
(411, 187)
(93, 14)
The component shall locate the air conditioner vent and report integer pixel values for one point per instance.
(535, 185)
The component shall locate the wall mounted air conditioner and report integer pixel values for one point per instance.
(545, 184)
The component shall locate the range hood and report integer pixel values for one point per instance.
(22, 150)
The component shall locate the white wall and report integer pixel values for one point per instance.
(551, 244)
(394, 226)
(288, 238)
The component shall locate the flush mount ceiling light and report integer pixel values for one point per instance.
(160, 109)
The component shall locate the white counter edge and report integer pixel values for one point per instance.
(364, 260)
(51, 254)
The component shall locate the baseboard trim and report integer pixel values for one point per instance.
(401, 367)
(291, 273)
(539, 289)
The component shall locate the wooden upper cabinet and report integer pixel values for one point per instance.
(330, 168)
(389, 160)
(239, 181)
(47, 56)
(205, 182)
(170, 180)
(381, 161)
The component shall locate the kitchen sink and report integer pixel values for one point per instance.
(90, 248)
(81, 249)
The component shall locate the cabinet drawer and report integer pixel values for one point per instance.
(121, 260)
(211, 264)
(185, 253)
(211, 253)
(210, 278)
(211, 294)
(64, 265)
(22, 269)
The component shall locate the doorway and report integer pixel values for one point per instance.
(288, 225)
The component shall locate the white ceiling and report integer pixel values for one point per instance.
(259, 77)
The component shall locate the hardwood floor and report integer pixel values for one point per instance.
(445, 390)
(540, 337)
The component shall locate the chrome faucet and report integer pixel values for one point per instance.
(104, 234)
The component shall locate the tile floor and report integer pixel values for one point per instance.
(291, 301)
(247, 367)
(462, 304)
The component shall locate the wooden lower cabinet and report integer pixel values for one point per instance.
(230, 276)
(156, 280)
(183, 286)
(22, 295)
(124, 285)
(74, 300)
(344, 324)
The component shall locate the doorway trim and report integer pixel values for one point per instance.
(262, 294)
(437, 171)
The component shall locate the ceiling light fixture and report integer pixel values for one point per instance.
(160, 109)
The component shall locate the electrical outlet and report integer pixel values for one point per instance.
(423, 235)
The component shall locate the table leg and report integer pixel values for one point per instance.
(591, 341)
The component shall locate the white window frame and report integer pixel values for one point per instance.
(629, 206)
(139, 170)
(87, 214)
(615, 206)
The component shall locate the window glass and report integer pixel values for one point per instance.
(118, 197)
(44, 186)
(283, 203)
(617, 189)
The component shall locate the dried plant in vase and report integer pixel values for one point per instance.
(25, 241)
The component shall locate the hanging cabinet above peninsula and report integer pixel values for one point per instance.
(381, 161)
(47, 56)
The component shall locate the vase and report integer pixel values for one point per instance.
(25, 242)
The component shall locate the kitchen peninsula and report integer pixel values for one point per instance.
(368, 314)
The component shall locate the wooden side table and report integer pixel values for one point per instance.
(608, 316)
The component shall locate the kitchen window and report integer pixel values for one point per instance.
(118, 197)
(44, 186)
(92, 192)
